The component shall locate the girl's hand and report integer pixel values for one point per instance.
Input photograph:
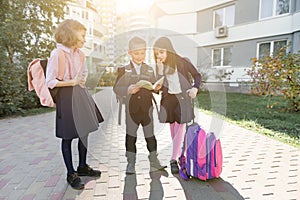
(82, 82)
(160, 67)
(193, 92)
(76, 81)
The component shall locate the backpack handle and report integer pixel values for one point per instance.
(61, 64)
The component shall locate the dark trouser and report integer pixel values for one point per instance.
(66, 148)
(132, 124)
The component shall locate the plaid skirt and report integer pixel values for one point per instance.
(76, 113)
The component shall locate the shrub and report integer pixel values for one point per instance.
(92, 81)
(25, 33)
(278, 75)
(108, 79)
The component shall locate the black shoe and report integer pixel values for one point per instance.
(174, 167)
(88, 171)
(75, 181)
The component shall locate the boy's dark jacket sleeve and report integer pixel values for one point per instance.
(121, 87)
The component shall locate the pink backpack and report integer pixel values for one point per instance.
(201, 155)
(36, 74)
(215, 157)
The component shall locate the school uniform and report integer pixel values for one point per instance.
(176, 105)
(139, 107)
(76, 112)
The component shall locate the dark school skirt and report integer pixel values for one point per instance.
(176, 108)
(76, 113)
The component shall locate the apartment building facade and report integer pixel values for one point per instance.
(226, 34)
(107, 11)
(86, 12)
(130, 24)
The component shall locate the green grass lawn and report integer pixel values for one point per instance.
(252, 112)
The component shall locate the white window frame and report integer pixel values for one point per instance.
(273, 10)
(271, 46)
(67, 10)
(75, 13)
(224, 16)
(222, 57)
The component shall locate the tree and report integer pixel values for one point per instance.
(278, 75)
(25, 33)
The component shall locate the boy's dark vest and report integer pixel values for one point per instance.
(142, 100)
(146, 73)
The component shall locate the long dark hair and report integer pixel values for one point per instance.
(171, 60)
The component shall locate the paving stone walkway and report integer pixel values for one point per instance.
(31, 165)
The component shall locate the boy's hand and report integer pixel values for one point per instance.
(157, 87)
(132, 89)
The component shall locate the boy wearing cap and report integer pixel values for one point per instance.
(138, 101)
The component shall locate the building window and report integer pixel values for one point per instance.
(270, 48)
(85, 15)
(224, 16)
(67, 10)
(222, 56)
(90, 31)
(76, 13)
(271, 8)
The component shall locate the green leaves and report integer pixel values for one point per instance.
(25, 33)
(278, 75)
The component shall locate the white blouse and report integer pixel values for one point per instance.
(75, 64)
(173, 82)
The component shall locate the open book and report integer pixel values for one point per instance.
(148, 85)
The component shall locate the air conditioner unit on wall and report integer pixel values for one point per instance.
(221, 31)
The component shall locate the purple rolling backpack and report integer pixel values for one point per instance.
(201, 155)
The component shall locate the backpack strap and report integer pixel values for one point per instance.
(182, 158)
(43, 63)
(155, 104)
(61, 64)
(193, 120)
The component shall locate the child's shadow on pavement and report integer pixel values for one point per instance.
(156, 189)
(195, 189)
